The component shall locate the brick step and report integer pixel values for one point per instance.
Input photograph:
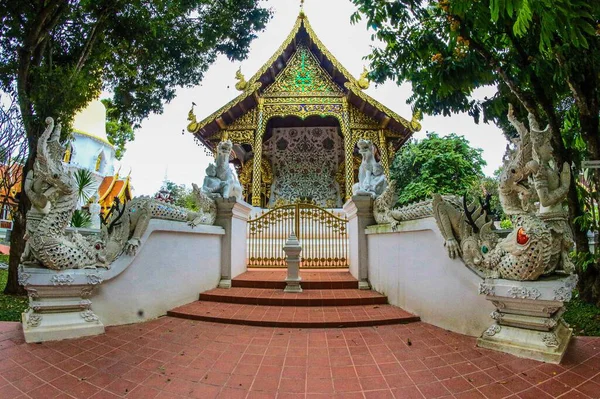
(311, 279)
(294, 316)
(276, 297)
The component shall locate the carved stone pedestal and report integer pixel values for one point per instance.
(59, 304)
(292, 251)
(528, 320)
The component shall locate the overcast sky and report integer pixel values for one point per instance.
(160, 149)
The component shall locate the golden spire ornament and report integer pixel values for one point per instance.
(241, 84)
(363, 80)
(301, 8)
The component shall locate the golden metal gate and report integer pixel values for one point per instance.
(323, 235)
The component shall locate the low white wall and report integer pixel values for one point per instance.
(172, 266)
(411, 266)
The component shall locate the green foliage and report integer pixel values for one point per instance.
(62, 54)
(489, 186)
(81, 218)
(11, 306)
(506, 224)
(86, 185)
(180, 194)
(529, 50)
(119, 132)
(446, 165)
(583, 317)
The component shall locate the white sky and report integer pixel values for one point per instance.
(161, 149)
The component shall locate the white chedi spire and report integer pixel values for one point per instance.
(91, 120)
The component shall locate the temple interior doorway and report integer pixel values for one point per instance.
(307, 159)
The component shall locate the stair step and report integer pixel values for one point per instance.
(311, 279)
(294, 316)
(276, 297)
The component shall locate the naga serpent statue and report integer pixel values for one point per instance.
(54, 199)
(126, 223)
(532, 191)
(54, 196)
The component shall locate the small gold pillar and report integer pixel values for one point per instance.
(348, 149)
(257, 147)
(385, 160)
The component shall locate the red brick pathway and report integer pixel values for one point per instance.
(173, 358)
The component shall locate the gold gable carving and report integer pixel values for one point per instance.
(245, 122)
(359, 120)
(303, 76)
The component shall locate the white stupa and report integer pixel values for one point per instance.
(89, 148)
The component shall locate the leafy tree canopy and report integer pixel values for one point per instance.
(446, 165)
(535, 52)
(178, 194)
(61, 54)
(57, 56)
(119, 132)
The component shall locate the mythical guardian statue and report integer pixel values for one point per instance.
(371, 176)
(125, 224)
(53, 193)
(467, 230)
(220, 181)
(532, 191)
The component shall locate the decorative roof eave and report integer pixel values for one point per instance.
(411, 126)
(211, 124)
(198, 128)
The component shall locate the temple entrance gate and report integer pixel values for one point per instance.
(323, 235)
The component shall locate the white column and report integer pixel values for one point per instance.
(360, 215)
(232, 215)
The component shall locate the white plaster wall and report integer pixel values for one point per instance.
(238, 246)
(411, 266)
(174, 264)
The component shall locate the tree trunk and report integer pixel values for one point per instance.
(17, 243)
(589, 284)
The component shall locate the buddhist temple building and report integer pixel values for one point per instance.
(90, 149)
(296, 123)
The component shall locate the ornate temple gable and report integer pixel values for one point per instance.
(303, 77)
(359, 120)
(245, 122)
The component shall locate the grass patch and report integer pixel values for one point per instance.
(584, 318)
(11, 306)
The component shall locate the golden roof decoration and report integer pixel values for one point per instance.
(277, 80)
(241, 84)
(363, 81)
(303, 76)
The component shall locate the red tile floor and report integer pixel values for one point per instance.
(172, 358)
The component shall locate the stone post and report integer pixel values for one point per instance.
(232, 215)
(59, 303)
(527, 319)
(360, 215)
(292, 249)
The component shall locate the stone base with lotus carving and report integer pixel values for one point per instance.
(528, 320)
(59, 304)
